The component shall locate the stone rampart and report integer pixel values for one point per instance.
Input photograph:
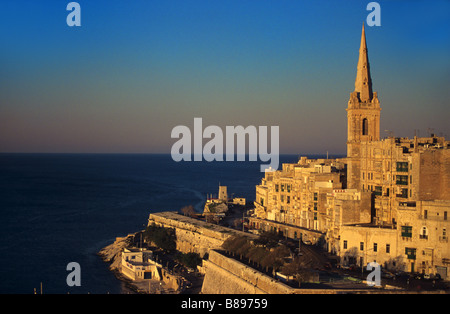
(194, 235)
(228, 276)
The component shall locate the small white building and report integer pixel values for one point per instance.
(138, 264)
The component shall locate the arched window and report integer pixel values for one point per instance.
(424, 234)
(365, 127)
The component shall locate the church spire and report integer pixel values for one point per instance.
(363, 82)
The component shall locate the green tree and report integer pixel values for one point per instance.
(190, 260)
(163, 238)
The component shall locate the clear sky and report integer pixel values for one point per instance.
(135, 69)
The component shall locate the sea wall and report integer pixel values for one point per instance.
(225, 275)
(194, 235)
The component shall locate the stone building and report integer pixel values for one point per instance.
(387, 201)
(139, 264)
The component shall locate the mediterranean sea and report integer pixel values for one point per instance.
(62, 208)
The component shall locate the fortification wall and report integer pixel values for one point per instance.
(228, 276)
(225, 275)
(194, 235)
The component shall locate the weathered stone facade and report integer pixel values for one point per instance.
(383, 190)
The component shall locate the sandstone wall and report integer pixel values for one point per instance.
(435, 175)
(228, 276)
(194, 235)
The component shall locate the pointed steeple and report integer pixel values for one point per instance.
(363, 82)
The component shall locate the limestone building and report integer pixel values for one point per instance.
(388, 201)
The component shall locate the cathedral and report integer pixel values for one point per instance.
(387, 201)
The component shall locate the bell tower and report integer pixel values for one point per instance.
(363, 116)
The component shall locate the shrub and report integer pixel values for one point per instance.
(163, 238)
(190, 260)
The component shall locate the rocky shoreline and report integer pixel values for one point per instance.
(112, 254)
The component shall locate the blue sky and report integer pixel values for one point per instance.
(136, 69)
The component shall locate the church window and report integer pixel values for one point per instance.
(365, 127)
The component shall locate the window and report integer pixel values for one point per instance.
(388, 248)
(401, 180)
(365, 127)
(407, 231)
(424, 233)
(361, 246)
(445, 215)
(375, 247)
(402, 167)
(410, 252)
(276, 187)
(404, 193)
(425, 214)
(345, 244)
(378, 190)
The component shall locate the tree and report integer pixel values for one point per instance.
(293, 267)
(188, 210)
(163, 238)
(275, 259)
(190, 260)
(268, 239)
(268, 257)
(256, 254)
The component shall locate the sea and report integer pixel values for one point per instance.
(63, 208)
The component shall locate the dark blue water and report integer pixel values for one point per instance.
(62, 208)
